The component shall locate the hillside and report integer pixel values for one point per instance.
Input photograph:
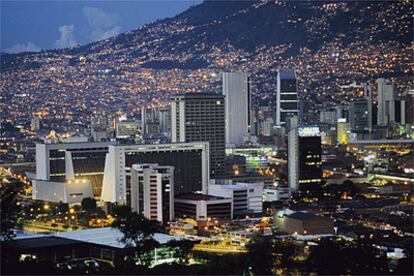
(327, 43)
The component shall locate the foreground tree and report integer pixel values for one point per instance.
(89, 204)
(10, 211)
(138, 232)
(332, 257)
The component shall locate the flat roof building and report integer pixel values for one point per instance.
(202, 207)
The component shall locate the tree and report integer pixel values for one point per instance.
(89, 204)
(137, 232)
(63, 207)
(260, 255)
(332, 257)
(10, 211)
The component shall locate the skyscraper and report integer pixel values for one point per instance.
(293, 152)
(237, 106)
(359, 115)
(309, 158)
(286, 96)
(199, 117)
(385, 100)
(304, 156)
(152, 191)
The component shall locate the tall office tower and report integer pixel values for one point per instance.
(190, 162)
(400, 111)
(165, 121)
(200, 118)
(409, 106)
(343, 132)
(359, 115)
(150, 123)
(328, 117)
(152, 191)
(309, 158)
(237, 106)
(57, 164)
(368, 97)
(385, 100)
(293, 154)
(339, 112)
(286, 96)
(266, 128)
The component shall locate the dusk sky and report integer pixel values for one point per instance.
(34, 25)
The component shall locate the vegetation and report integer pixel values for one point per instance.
(10, 210)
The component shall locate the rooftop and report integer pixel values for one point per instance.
(198, 197)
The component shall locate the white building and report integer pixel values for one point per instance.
(272, 194)
(293, 165)
(247, 197)
(385, 100)
(328, 117)
(71, 191)
(152, 191)
(63, 170)
(237, 106)
(267, 127)
(190, 162)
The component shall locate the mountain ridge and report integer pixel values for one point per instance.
(326, 42)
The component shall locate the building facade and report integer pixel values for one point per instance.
(385, 100)
(286, 96)
(200, 118)
(63, 162)
(190, 162)
(202, 207)
(247, 197)
(152, 191)
(236, 90)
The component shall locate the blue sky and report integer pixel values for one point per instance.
(37, 24)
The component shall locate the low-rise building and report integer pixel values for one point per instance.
(304, 223)
(202, 207)
(246, 197)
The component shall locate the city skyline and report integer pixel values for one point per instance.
(233, 138)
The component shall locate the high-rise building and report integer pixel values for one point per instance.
(165, 121)
(292, 127)
(304, 156)
(400, 111)
(409, 106)
(152, 191)
(328, 117)
(359, 115)
(266, 128)
(150, 123)
(286, 96)
(237, 106)
(385, 100)
(343, 132)
(190, 162)
(309, 158)
(200, 117)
